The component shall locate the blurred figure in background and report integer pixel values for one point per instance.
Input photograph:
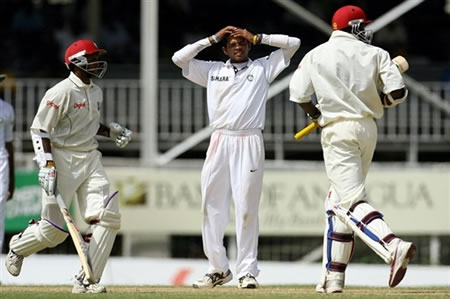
(6, 160)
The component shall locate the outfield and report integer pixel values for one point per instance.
(304, 292)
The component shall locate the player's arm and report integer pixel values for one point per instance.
(183, 56)
(311, 109)
(194, 69)
(394, 91)
(288, 44)
(10, 150)
(44, 158)
(9, 137)
(119, 134)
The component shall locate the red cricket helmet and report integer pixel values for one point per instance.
(345, 14)
(76, 54)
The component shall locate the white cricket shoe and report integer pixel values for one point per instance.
(402, 256)
(13, 261)
(334, 283)
(210, 280)
(248, 282)
(81, 286)
(93, 288)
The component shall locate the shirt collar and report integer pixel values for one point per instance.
(228, 62)
(77, 81)
(342, 34)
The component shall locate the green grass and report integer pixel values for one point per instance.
(304, 292)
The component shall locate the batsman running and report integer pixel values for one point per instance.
(63, 135)
(345, 73)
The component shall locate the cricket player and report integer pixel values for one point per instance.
(345, 73)
(6, 160)
(234, 166)
(63, 134)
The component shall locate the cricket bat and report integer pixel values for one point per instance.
(77, 239)
(306, 130)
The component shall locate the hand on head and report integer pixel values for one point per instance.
(234, 31)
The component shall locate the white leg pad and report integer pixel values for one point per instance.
(368, 225)
(38, 236)
(103, 235)
(337, 251)
(340, 244)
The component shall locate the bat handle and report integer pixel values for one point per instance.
(305, 131)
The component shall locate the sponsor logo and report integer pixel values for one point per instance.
(79, 105)
(52, 104)
(253, 170)
(220, 78)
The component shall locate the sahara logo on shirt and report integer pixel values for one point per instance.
(220, 78)
(52, 104)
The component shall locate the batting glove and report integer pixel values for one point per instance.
(119, 134)
(47, 179)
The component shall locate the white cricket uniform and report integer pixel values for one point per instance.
(345, 74)
(6, 135)
(70, 113)
(234, 164)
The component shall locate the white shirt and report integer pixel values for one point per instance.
(6, 127)
(237, 101)
(345, 74)
(70, 113)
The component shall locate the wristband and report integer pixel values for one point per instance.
(215, 38)
(255, 39)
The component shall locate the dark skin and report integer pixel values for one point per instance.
(238, 43)
(10, 150)
(83, 75)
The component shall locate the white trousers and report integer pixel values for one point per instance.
(348, 147)
(80, 174)
(4, 189)
(234, 168)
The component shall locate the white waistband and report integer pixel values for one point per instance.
(238, 132)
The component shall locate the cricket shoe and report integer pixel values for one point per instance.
(81, 285)
(334, 283)
(402, 256)
(13, 260)
(248, 282)
(210, 280)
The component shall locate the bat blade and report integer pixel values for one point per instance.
(77, 239)
(306, 130)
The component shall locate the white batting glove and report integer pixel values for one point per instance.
(119, 134)
(47, 179)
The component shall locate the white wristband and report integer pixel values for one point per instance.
(42, 158)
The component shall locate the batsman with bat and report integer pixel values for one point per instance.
(345, 73)
(63, 135)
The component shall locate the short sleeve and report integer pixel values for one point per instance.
(390, 77)
(300, 87)
(274, 64)
(50, 110)
(197, 71)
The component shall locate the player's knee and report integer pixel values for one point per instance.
(50, 234)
